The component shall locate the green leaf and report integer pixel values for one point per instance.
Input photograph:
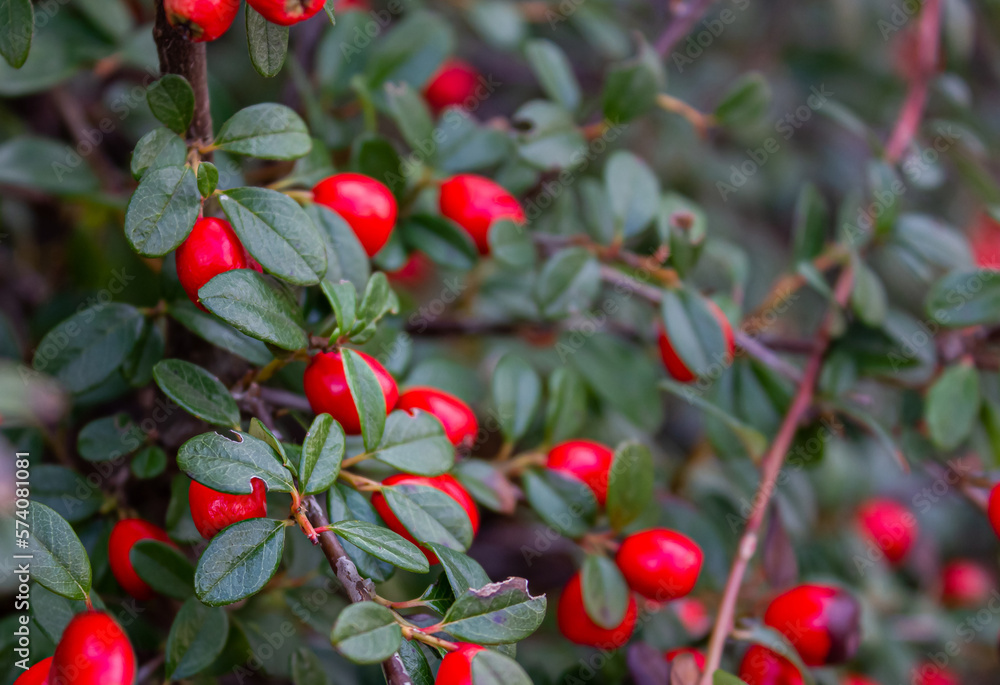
(415, 444)
(745, 102)
(549, 138)
(265, 131)
(375, 156)
(411, 52)
(197, 391)
(239, 561)
(384, 544)
(346, 259)
(630, 484)
(149, 463)
(464, 144)
(568, 283)
(631, 87)
(567, 406)
(721, 677)
(59, 562)
(219, 333)
(415, 663)
(347, 504)
(694, 331)
(492, 668)
(777, 642)
(208, 178)
(952, 406)
(564, 503)
(306, 667)
(159, 148)
(462, 572)
(108, 438)
(277, 232)
(244, 299)
(487, 485)
(498, 613)
(517, 392)
(378, 300)
(441, 240)
(162, 211)
(197, 637)
(267, 42)
(682, 225)
(752, 439)
(554, 72)
(15, 30)
(411, 115)
(809, 232)
(65, 491)
(171, 100)
(965, 298)
(322, 453)
(42, 164)
(259, 430)
(430, 515)
(368, 397)
(634, 192)
(366, 633)
(511, 245)
(229, 465)
(605, 592)
(343, 298)
(163, 568)
(868, 296)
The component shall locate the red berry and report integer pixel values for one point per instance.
(352, 5)
(286, 12)
(37, 674)
(584, 460)
(660, 564)
(454, 83)
(446, 483)
(671, 360)
(474, 203)
(328, 393)
(761, 666)
(213, 510)
(576, 625)
(855, 679)
(211, 249)
(888, 525)
(985, 241)
(928, 673)
(201, 20)
(123, 536)
(965, 583)
(699, 658)
(458, 420)
(414, 272)
(366, 205)
(456, 667)
(993, 510)
(822, 622)
(693, 616)
(94, 650)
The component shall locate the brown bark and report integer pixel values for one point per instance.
(180, 56)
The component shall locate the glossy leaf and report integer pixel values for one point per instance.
(163, 568)
(430, 515)
(197, 636)
(366, 633)
(265, 131)
(162, 210)
(564, 503)
(197, 391)
(239, 561)
(229, 465)
(497, 613)
(630, 484)
(605, 592)
(322, 454)
(59, 562)
(383, 544)
(171, 100)
(267, 42)
(415, 444)
(368, 397)
(244, 299)
(517, 393)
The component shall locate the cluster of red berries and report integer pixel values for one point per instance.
(93, 650)
(206, 20)
(659, 564)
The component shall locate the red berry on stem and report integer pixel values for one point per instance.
(474, 203)
(699, 658)
(201, 20)
(286, 12)
(822, 622)
(965, 583)
(328, 393)
(211, 249)
(586, 461)
(761, 666)
(37, 674)
(889, 526)
(213, 510)
(576, 625)
(123, 536)
(985, 241)
(660, 564)
(456, 667)
(415, 271)
(366, 205)
(446, 483)
(675, 365)
(93, 650)
(993, 510)
(457, 419)
(454, 83)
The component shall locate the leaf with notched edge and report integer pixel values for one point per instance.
(496, 613)
(229, 465)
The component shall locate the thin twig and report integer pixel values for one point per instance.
(770, 469)
(682, 23)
